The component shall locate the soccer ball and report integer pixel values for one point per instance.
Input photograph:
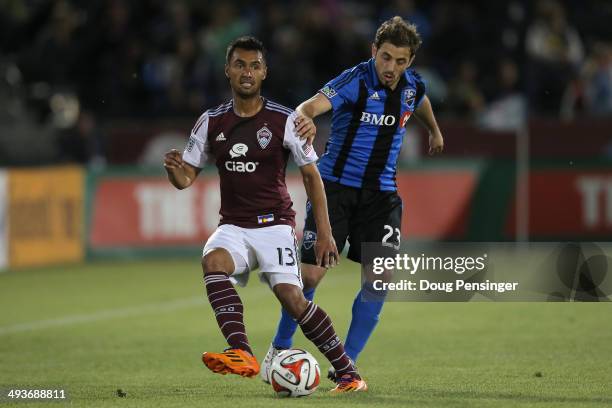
(294, 373)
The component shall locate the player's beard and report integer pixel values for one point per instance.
(388, 82)
(247, 93)
(253, 93)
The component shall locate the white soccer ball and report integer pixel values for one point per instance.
(294, 373)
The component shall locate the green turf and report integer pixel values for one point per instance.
(141, 327)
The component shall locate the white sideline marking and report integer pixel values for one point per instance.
(108, 314)
(160, 307)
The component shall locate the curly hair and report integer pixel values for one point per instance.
(399, 33)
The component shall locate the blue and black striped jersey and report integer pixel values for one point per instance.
(368, 125)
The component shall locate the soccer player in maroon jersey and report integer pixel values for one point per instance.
(250, 139)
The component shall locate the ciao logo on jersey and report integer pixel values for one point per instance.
(237, 150)
(379, 120)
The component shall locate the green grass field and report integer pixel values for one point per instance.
(141, 327)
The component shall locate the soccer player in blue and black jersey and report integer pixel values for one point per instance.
(371, 104)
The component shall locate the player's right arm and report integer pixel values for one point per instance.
(183, 168)
(180, 173)
(306, 112)
(314, 106)
(339, 91)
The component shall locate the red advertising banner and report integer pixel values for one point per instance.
(436, 203)
(147, 212)
(568, 203)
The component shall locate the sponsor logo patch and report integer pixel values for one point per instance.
(404, 118)
(329, 91)
(307, 148)
(310, 237)
(264, 219)
(379, 120)
(239, 149)
(241, 167)
(220, 137)
(409, 96)
(190, 144)
(264, 135)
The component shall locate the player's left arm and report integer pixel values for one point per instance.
(424, 113)
(305, 157)
(326, 251)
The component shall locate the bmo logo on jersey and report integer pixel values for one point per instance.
(379, 120)
(237, 150)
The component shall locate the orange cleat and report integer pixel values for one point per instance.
(349, 383)
(232, 361)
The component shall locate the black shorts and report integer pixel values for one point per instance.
(356, 215)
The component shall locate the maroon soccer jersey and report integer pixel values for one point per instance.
(251, 155)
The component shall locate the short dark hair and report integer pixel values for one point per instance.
(399, 33)
(246, 42)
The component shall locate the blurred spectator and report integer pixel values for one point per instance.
(157, 59)
(465, 97)
(111, 55)
(597, 80)
(52, 57)
(507, 109)
(83, 143)
(555, 52)
(409, 11)
(224, 26)
(454, 26)
(591, 93)
(437, 91)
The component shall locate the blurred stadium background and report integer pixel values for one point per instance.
(92, 93)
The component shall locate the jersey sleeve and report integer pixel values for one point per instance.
(420, 89)
(342, 90)
(198, 148)
(303, 153)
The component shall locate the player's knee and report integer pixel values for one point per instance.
(312, 275)
(310, 282)
(291, 298)
(218, 260)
